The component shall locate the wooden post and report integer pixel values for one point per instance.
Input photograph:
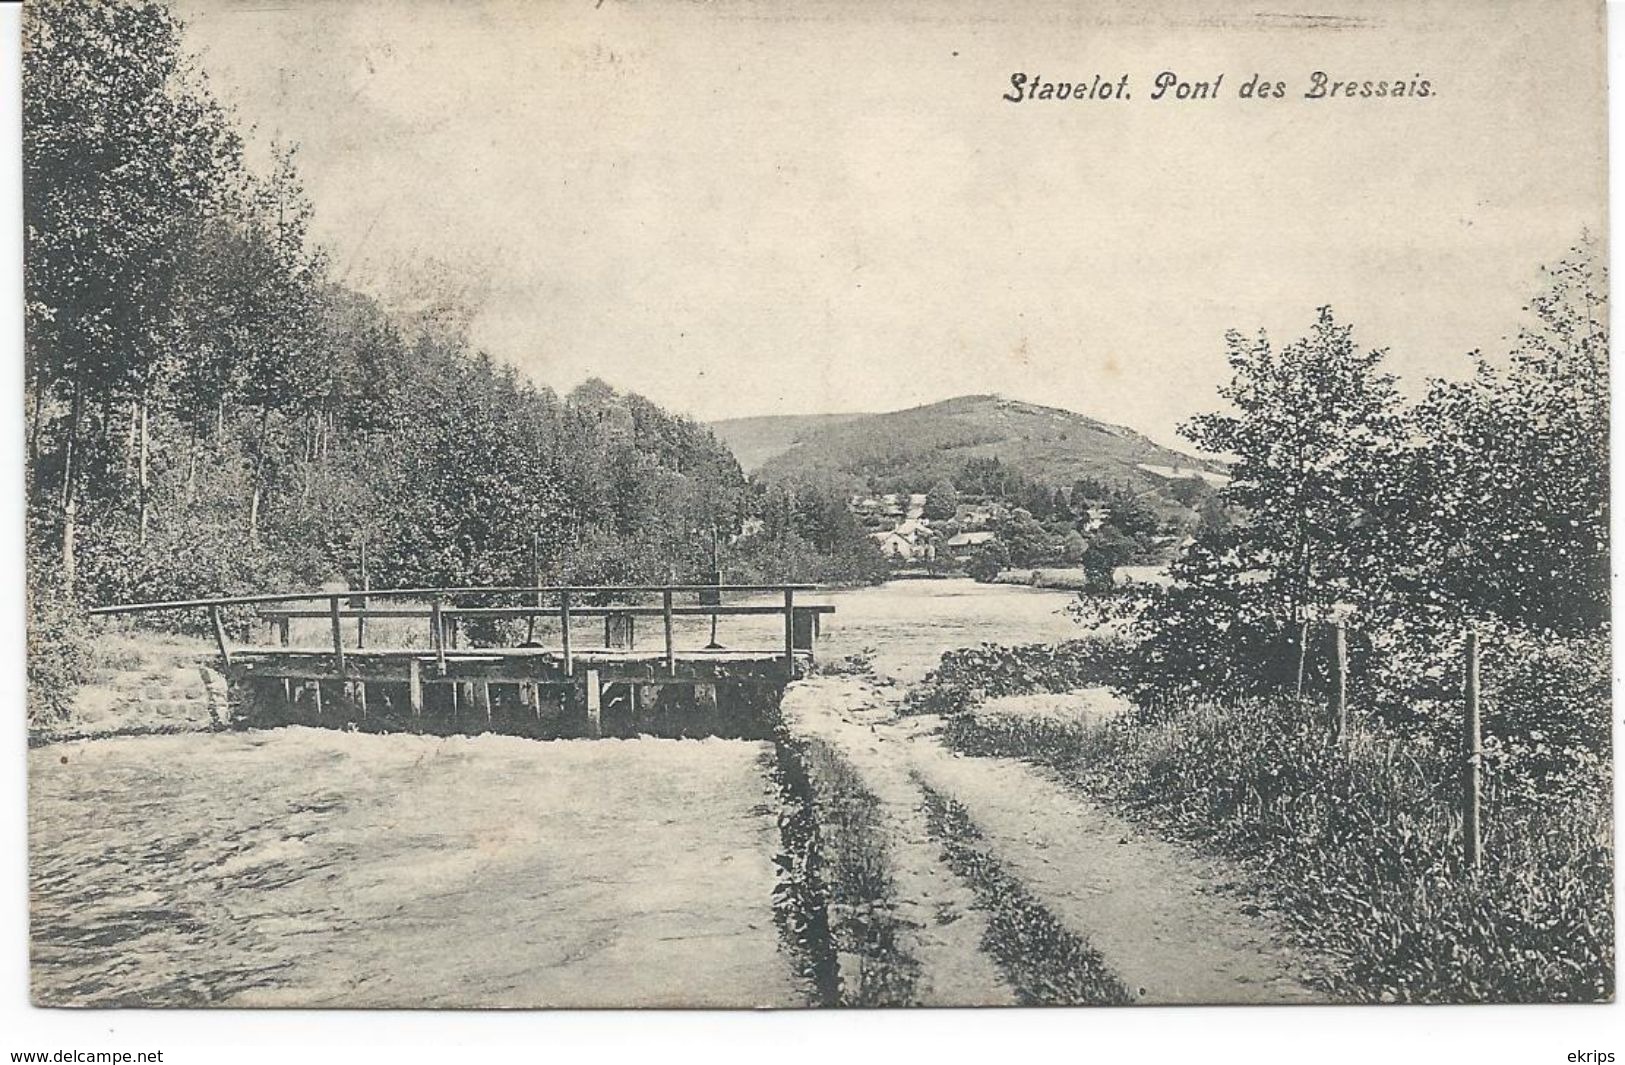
(595, 706)
(1473, 745)
(806, 628)
(338, 635)
(366, 586)
(1303, 652)
(1340, 668)
(790, 633)
(482, 698)
(220, 635)
(282, 630)
(536, 581)
(414, 685)
(671, 647)
(564, 623)
(437, 634)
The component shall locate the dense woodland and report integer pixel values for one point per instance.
(210, 409)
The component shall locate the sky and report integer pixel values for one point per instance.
(741, 208)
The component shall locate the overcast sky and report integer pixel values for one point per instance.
(740, 211)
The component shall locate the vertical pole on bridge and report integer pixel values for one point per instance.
(564, 623)
(414, 685)
(595, 706)
(536, 582)
(366, 586)
(338, 634)
(790, 633)
(671, 647)
(437, 634)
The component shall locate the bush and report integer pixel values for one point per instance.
(984, 566)
(964, 677)
(59, 649)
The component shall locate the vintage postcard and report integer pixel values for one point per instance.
(539, 504)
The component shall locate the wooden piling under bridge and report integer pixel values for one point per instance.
(600, 674)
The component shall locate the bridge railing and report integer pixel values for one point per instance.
(568, 604)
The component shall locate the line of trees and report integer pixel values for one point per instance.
(210, 408)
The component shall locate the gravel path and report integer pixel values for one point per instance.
(1167, 921)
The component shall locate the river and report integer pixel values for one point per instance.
(907, 625)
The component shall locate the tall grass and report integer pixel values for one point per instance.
(1359, 846)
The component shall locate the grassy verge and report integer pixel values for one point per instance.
(876, 964)
(1045, 964)
(835, 900)
(1359, 847)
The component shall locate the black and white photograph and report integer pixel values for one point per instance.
(537, 505)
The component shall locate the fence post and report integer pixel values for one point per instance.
(1303, 652)
(564, 625)
(366, 586)
(790, 633)
(1340, 669)
(338, 634)
(671, 648)
(1473, 743)
(437, 632)
(536, 581)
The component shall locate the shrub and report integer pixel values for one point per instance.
(963, 677)
(59, 649)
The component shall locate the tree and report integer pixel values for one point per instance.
(941, 500)
(1314, 429)
(124, 157)
(1508, 502)
(988, 561)
(1028, 542)
(1316, 432)
(1107, 549)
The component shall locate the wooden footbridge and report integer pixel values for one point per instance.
(583, 658)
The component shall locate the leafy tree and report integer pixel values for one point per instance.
(124, 157)
(1509, 496)
(941, 500)
(1314, 430)
(1107, 549)
(1026, 539)
(988, 561)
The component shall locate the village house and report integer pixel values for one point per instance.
(964, 543)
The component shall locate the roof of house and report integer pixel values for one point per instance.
(969, 539)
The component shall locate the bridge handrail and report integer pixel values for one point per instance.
(396, 593)
(438, 611)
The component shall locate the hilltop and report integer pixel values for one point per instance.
(908, 449)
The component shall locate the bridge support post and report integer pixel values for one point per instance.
(595, 706)
(414, 686)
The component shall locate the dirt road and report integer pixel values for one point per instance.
(1164, 921)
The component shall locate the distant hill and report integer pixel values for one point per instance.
(910, 448)
(756, 440)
